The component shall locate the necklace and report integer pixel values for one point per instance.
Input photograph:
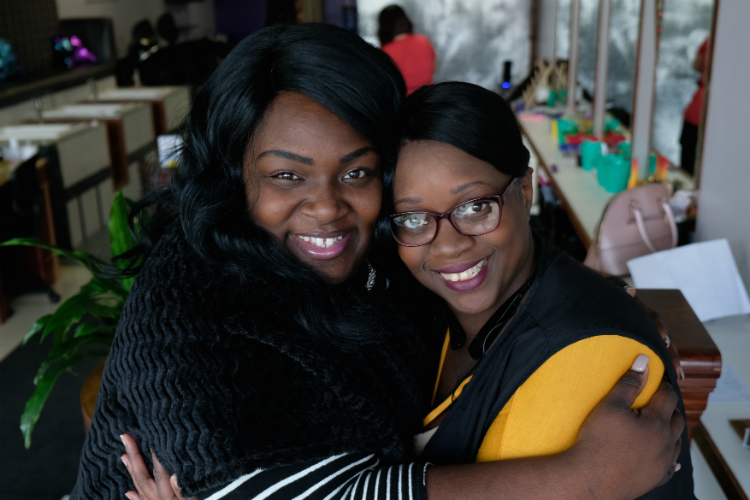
(492, 328)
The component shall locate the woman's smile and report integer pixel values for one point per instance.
(323, 245)
(465, 277)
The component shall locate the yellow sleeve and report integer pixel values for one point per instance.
(545, 414)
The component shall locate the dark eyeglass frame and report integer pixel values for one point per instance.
(499, 198)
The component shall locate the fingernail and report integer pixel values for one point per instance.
(677, 466)
(123, 441)
(124, 461)
(640, 363)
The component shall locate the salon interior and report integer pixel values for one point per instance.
(634, 111)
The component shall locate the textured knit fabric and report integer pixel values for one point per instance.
(567, 303)
(213, 376)
(341, 477)
(415, 58)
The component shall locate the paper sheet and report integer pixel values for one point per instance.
(705, 273)
(729, 388)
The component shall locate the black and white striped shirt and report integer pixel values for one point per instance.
(341, 477)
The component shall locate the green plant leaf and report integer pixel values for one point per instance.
(120, 238)
(88, 260)
(91, 326)
(34, 405)
(100, 298)
(38, 327)
(65, 316)
(69, 349)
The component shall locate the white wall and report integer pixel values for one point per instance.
(199, 15)
(725, 172)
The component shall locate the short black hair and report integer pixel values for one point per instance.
(354, 80)
(469, 117)
(392, 22)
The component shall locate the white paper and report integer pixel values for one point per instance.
(705, 273)
(729, 388)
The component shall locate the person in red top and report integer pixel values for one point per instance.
(413, 54)
(692, 117)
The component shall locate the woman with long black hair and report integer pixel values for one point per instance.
(259, 354)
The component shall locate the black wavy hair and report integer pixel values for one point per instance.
(354, 80)
(466, 116)
(392, 22)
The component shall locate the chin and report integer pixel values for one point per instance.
(468, 305)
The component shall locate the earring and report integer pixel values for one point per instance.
(370, 277)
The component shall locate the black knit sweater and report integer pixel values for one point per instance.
(215, 378)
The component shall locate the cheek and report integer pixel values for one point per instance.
(413, 257)
(272, 210)
(366, 203)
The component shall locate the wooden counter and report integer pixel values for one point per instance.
(700, 359)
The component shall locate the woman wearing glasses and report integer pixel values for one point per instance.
(531, 340)
(258, 356)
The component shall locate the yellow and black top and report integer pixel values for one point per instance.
(566, 348)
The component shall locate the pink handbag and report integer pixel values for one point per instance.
(636, 222)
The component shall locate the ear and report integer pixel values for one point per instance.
(527, 189)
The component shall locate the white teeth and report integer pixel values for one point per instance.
(322, 242)
(465, 275)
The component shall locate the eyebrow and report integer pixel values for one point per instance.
(355, 154)
(455, 190)
(460, 188)
(287, 156)
(407, 200)
(309, 161)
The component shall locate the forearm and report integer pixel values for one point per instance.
(556, 476)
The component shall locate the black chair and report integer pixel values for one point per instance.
(21, 212)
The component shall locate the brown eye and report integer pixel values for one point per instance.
(286, 176)
(359, 173)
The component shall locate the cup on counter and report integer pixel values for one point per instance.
(624, 150)
(591, 153)
(613, 172)
(565, 127)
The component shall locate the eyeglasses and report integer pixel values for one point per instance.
(471, 218)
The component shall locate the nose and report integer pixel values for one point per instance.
(448, 242)
(325, 204)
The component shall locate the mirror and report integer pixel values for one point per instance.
(623, 54)
(588, 27)
(562, 29)
(685, 26)
(471, 38)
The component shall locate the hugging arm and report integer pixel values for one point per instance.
(620, 454)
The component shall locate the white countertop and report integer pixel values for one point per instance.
(92, 111)
(137, 94)
(732, 336)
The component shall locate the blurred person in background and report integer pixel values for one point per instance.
(413, 54)
(692, 116)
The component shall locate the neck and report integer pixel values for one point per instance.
(400, 36)
(473, 323)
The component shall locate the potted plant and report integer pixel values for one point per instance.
(84, 325)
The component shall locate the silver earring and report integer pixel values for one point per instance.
(371, 277)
